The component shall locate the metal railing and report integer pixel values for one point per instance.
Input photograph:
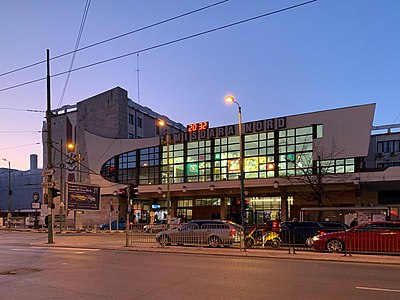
(213, 235)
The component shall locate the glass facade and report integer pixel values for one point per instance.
(279, 153)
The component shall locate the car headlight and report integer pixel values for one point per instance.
(315, 238)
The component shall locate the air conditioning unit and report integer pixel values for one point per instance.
(379, 154)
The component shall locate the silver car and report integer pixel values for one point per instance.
(200, 232)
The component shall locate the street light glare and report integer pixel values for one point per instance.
(229, 99)
(161, 122)
(71, 146)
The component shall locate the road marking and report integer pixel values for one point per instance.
(377, 289)
(56, 249)
(67, 248)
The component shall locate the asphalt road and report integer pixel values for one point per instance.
(28, 272)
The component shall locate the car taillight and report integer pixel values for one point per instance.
(232, 232)
(321, 232)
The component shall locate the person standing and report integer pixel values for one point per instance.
(354, 222)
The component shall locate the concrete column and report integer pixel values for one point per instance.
(174, 207)
(224, 208)
(284, 206)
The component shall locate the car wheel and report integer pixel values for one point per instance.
(276, 243)
(249, 243)
(164, 240)
(335, 246)
(214, 241)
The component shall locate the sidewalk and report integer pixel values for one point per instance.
(117, 241)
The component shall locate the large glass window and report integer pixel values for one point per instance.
(388, 146)
(108, 170)
(198, 161)
(149, 166)
(337, 166)
(127, 167)
(175, 164)
(287, 152)
(295, 151)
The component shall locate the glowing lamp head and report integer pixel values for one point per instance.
(229, 99)
(71, 147)
(161, 123)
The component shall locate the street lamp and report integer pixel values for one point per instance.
(77, 159)
(230, 99)
(162, 123)
(9, 193)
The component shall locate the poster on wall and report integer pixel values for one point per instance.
(192, 169)
(233, 165)
(251, 164)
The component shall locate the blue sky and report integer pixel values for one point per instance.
(323, 55)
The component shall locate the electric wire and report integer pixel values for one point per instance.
(20, 146)
(21, 131)
(165, 44)
(78, 39)
(116, 37)
(20, 109)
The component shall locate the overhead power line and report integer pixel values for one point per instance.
(115, 37)
(20, 109)
(78, 40)
(21, 131)
(20, 146)
(166, 43)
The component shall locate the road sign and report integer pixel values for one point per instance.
(48, 184)
(48, 172)
(36, 205)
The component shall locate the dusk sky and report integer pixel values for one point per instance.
(323, 55)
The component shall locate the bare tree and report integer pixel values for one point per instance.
(314, 172)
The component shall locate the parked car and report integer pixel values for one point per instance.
(212, 232)
(300, 233)
(160, 225)
(372, 236)
(121, 225)
(329, 226)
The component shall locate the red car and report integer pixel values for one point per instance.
(369, 237)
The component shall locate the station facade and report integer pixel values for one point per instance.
(290, 162)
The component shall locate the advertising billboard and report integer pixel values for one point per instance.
(83, 196)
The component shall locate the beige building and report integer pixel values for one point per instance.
(319, 159)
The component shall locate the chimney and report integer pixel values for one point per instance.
(34, 160)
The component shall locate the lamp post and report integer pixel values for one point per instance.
(162, 123)
(9, 194)
(77, 159)
(230, 99)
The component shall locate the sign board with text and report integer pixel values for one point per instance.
(83, 196)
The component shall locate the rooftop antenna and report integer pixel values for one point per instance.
(138, 77)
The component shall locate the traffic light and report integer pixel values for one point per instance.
(112, 207)
(133, 191)
(122, 193)
(246, 204)
(55, 192)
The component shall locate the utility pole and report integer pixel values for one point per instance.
(49, 156)
(128, 209)
(61, 186)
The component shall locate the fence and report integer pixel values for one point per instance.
(207, 234)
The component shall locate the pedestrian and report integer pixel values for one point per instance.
(354, 222)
